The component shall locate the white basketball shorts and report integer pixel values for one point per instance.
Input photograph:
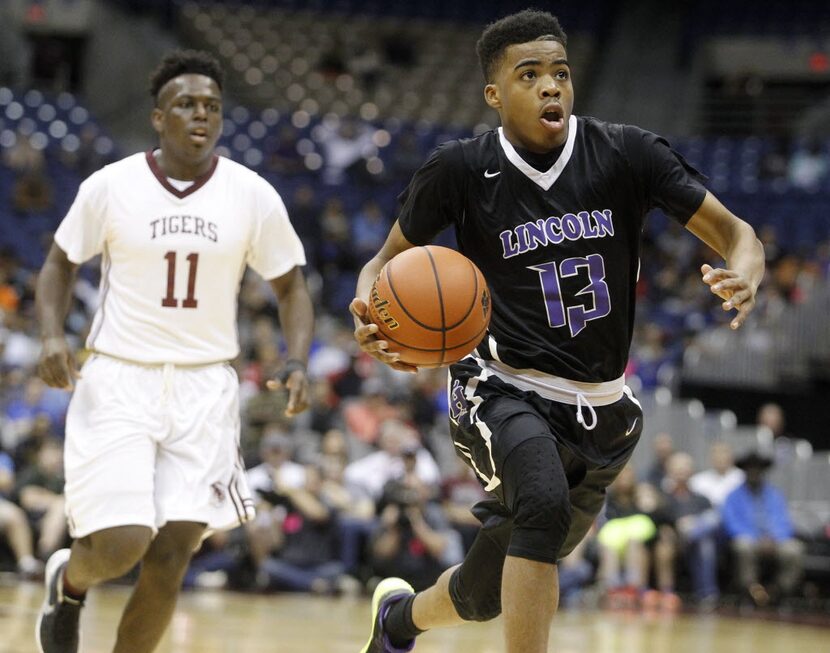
(149, 444)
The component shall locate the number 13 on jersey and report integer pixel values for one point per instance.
(190, 301)
(597, 302)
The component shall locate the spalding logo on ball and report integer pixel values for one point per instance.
(431, 304)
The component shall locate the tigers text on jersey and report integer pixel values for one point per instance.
(559, 249)
(172, 260)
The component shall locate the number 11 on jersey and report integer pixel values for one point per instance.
(169, 300)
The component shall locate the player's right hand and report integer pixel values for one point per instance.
(56, 365)
(365, 332)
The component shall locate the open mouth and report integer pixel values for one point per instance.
(198, 136)
(552, 118)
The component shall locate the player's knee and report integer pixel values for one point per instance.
(117, 550)
(541, 523)
(476, 602)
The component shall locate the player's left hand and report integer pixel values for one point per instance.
(734, 288)
(293, 378)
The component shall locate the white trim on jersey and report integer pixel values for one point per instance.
(543, 179)
(557, 388)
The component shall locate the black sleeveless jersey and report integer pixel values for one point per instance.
(559, 249)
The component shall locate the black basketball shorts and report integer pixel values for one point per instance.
(489, 417)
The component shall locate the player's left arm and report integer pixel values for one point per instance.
(735, 241)
(297, 323)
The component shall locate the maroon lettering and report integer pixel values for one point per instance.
(169, 300)
(190, 301)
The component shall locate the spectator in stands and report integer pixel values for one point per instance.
(32, 188)
(26, 451)
(337, 256)
(693, 526)
(721, 478)
(277, 467)
(305, 216)
(809, 166)
(14, 526)
(369, 229)
(281, 154)
(413, 539)
(306, 556)
(757, 522)
(460, 491)
(650, 360)
(39, 491)
(9, 294)
(276, 470)
(366, 64)
(427, 401)
(576, 572)
(785, 447)
(623, 540)
(365, 415)
(344, 145)
(355, 508)
(663, 448)
(775, 162)
(397, 441)
(20, 413)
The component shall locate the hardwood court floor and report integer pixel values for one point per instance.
(221, 622)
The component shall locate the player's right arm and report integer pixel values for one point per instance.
(430, 203)
(53, 294)
(365, 331)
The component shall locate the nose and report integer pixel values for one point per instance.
(549, 88)
(200, 110)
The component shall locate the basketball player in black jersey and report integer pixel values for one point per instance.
(550, 207)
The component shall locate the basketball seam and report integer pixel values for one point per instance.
(479, 335)
(472, 304)
(388, 269)
(440, 303)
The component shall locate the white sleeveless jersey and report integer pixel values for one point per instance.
(172, 261)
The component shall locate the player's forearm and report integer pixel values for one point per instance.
(53, 294)
(367, 277)
(745, 253)
(297, 318)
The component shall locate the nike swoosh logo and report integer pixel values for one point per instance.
(489, 174)
(631, 430)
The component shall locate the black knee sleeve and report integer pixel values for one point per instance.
(475, 587)
(536, 493)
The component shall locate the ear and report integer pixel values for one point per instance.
(491, 96)
(157, 119)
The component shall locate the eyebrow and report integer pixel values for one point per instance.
(194, 96)
(537, 62)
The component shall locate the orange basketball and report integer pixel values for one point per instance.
(431, 304)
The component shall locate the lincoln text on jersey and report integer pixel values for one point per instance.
(553, 230)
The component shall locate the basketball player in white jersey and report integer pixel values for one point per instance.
(152, 430)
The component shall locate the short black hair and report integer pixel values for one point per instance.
(521, 27)
(183, 62)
